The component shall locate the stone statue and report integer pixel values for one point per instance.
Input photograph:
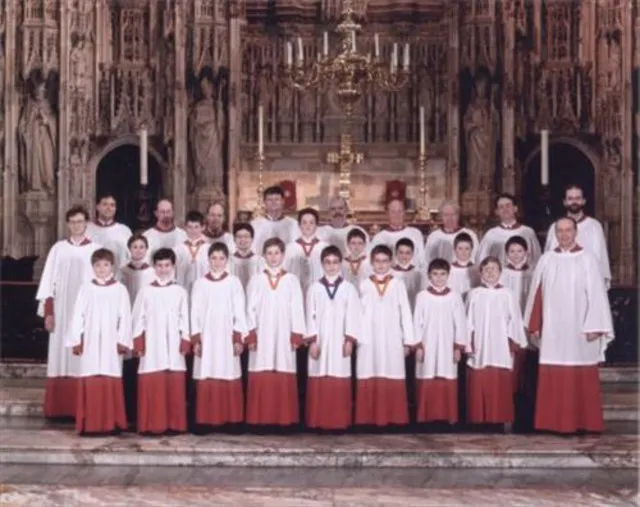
(37, 137)
(206, 122)
(482, 130)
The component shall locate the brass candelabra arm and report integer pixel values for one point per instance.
(301, 77)
(387, 79)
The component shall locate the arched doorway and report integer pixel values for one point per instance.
(567, 165)
(118, 174)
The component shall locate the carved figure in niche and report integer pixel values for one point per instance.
(482, 131)
(78, 60)
(206, 122)
(37, 137)
(615, 62)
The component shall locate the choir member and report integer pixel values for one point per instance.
(107, 232)
(218, 326)
(99, 335)
(496, 238)
(165, 233)
(405, 270)
(161, 340)
(244, 262)
(590, 234)
(333, 325)
(137, 272)
(517, 274)
(463, 274)
(302, 256)
(274, 224)
(397, 229)
(214, 227)
(356, 266)
(569, 311)
(191, 255)
(387, 336)
(496, 330)
(440, 324)
(439, 244)
(275, 315)
(67, 267)
(336, 231)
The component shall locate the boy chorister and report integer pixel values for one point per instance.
(496, 330)
(464, 275)
(387, 336)
(302, 256)
(516, 274)
(440, 324)
(161, 340)
(404, 269)
(333, 325)
(275, 315)
(191, 254)
(356, 266)
(218, 325)
(245, 262)
(100, 333)
(136, 273)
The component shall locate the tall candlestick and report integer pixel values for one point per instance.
(300, 51)
(325, 44)
(289, 53)
(144, 169)
(376, 45)
(260, 130)
(544, 157)
(422, 133)
(406, 56)
(353, 41)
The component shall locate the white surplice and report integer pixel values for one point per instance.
(218, 310)
(414, 279)
(192, 261)
(333, 313)
(439, 244)
(113, 236)
(225, 237)
(246, 266)
(356, 270)
(285, 228)
(67, 267)
(390, 237)
(387, 327)
(135, 277)
(302, 258)
(591, 238)
(275, 310)
(518, 279)
(440, 324)
(337, 236)
(493, 318)
(161, 312)
(463, 278)
(159, 238)
(574, 302)
(494, 241)
(101, 322)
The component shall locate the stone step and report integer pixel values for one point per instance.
(461, 450)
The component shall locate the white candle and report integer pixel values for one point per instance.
(544, 157)
(422, 136)
(260, 131)
(300, 51)
(376, 45)
(394, 57)
(325, 44)
(353, 41)
(406, 56)
(144, 169)
(289, 53)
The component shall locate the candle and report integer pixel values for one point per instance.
(325, 44)
(260, 131)
(300, 52)
(289, 53)
(394, 57)
(422, 136)
(353, 41)
(144, 169)
(544, 157)
(83, 190)
(376, 45)
(406, 56)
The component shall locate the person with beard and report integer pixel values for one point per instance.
(109, 233)
(274, 224)
(335, 232)
(164, 234)
(439, 243)
(214, 227)
(590, 232)
(494, 241)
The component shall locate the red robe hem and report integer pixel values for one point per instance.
(437, 400)
(381, 401)
(162, 404)
(60, 397)
(272, 398)
(219, 402)
(100, 405)
(329, 403)
(490, 395)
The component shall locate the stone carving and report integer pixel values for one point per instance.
(206, 124)
(482, 131)
(37, 136)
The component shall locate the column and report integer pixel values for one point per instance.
(179, 169)
(63, 118)
(508, 104)
(452, 183)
